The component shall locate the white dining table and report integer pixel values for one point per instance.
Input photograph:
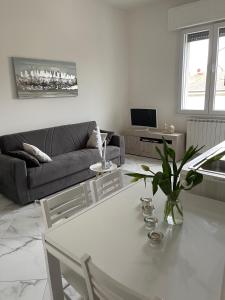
(187, 265)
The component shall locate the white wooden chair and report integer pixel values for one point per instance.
(64, 204)
(106, 185)
(59, 207)
(101, 286)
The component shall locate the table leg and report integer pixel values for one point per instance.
(54, 275)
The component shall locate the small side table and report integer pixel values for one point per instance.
(97, 168)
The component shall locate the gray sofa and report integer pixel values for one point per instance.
(66, 145)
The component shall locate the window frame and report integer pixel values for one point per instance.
(214, 62)
(211, 69)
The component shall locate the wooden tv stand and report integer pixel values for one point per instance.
(143, 141)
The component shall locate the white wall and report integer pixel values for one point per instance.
(88, 32)
(153, 62)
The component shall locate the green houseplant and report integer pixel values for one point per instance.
(168, 180)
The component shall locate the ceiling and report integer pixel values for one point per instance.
(131, 3)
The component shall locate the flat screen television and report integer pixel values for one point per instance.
(144, 117)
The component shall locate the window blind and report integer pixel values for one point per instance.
(222, 32)
(198, 36)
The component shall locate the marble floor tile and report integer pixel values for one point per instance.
(22, 259)
(69, 292)
(133, 163)
(23, 221)
(46, 295)
(22, 290)
(4, 202)
(6, 206)
(22, 265)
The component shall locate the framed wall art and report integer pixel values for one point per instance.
(37, 78)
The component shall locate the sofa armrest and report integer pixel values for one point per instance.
(118, 140)
(13, 179)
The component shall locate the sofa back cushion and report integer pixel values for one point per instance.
(53, 141)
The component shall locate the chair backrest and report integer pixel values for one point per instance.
(103, 287)
(107, 184)
(64, 204)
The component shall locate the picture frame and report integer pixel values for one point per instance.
(40, 78)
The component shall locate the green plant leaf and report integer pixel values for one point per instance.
(165, 149)
(135, 179)
(138, 176)
(145, 168)
(171, 153)
(188, 155)
(165, 164)
(166, 155)
(145, 181)
(159, 152)
(198, 179)
(155, 182)
(165, 185)
(193, 178)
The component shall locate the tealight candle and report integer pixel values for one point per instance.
(155, 237)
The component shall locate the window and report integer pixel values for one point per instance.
(203, 70)
(219, 101)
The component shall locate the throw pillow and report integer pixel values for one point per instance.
(29, 159)
(109, 135)
(36, 152)
(96, 139)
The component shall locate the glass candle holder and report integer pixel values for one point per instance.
(147, 209)
(145, 200)
(150, 222)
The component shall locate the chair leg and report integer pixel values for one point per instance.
(66, 297)
(54, 275)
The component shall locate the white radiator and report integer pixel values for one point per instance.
(205, 132)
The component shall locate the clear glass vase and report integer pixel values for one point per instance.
(173, 211)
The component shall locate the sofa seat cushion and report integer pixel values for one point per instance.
(67, 164)
(62, 166)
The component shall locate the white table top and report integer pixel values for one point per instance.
(98, 168)
(188, 265)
